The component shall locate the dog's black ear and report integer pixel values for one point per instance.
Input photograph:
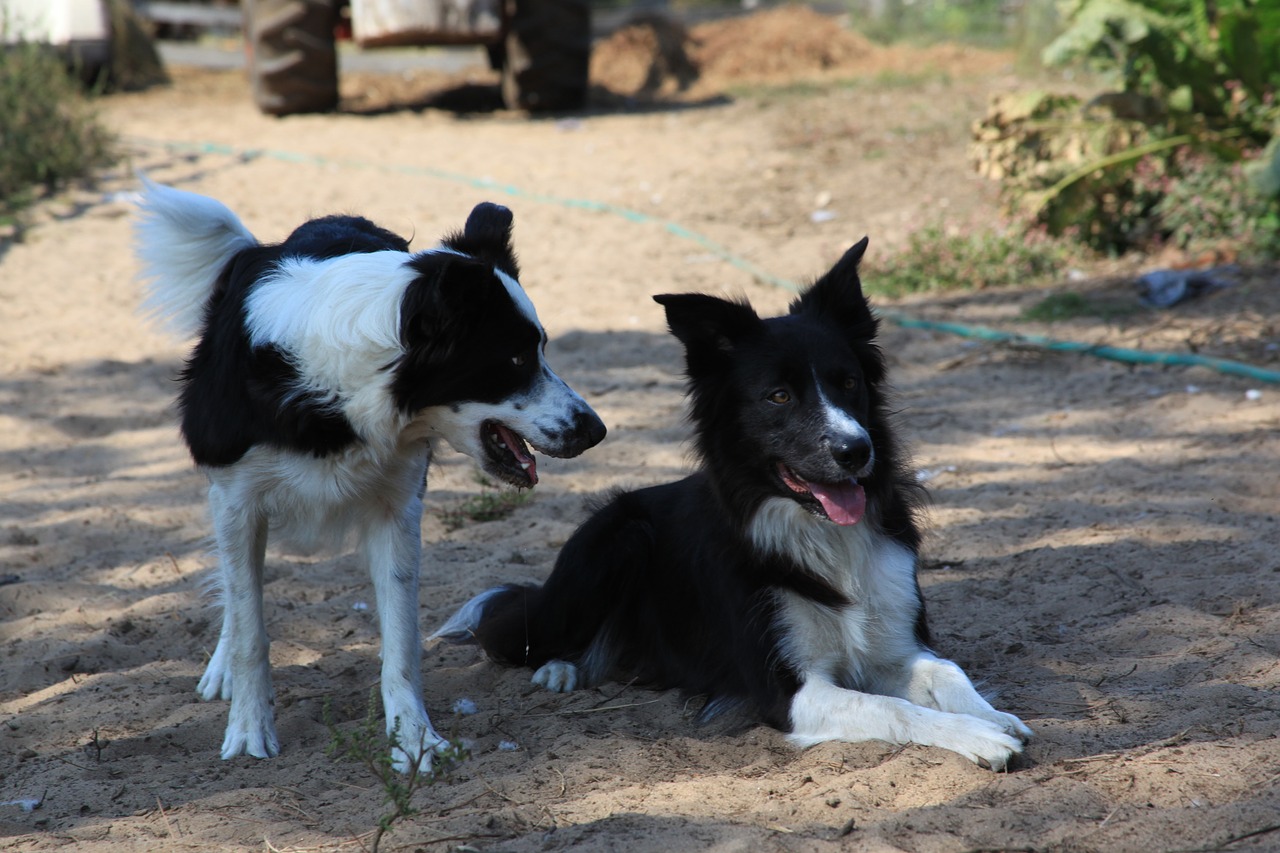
(487, 237)
(489, 223)
(708, 325)
(838, 295)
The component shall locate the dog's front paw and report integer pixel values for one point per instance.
(1008, 723)
(416, 745)
(250, 731)
(981, 741)
(558, 676)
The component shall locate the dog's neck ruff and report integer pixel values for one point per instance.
(822, 548)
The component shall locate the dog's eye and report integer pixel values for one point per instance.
(780, 397)
(850, 383)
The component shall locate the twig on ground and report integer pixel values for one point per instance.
(568, 711)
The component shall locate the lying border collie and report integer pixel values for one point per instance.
(326, 368)
(781, 577)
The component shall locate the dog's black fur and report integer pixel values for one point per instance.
(780, 578)
(664, 585)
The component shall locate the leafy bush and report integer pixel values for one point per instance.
(1159, 162)
(48, 135)
(1215, 66)
(1201, 203)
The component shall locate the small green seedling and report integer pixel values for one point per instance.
(367, 744)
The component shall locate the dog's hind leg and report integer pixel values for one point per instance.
(502, 621)
(562, 629)
(240, 669)
(393, 549)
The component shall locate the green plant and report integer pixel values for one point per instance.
(1153, 163)
(1214, 66)
(1069, 304)
(491, 504)
(1058, 306)
(367, 744)
(1201, 203)
(934, 260)
(48, 134)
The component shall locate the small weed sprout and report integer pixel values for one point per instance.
(367, 744)
(492, 504)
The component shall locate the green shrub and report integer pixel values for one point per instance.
(1160, 161)
(1214, 66)
(935, 260)
(1201, 203)
(48, 134)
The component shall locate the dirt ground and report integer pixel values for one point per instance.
(1104, 552)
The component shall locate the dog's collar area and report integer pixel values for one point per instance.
(509, 454)
(843, 502)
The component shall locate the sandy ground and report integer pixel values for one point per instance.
(1104, 538)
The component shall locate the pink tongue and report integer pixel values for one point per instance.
(516, 446)
(844, 502)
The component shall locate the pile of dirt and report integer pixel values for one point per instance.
(654, 55)
(779, 43)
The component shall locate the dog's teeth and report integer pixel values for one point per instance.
(524, 465)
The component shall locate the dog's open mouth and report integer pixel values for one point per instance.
(508, 455)
(844, 503)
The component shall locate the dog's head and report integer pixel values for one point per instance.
(789, 406)
(473, 361)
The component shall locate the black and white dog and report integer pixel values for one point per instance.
(326, 369)
(781, 577)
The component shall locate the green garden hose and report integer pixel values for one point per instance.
(1121, 354)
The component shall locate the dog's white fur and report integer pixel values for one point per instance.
(183, 241)
(338, 319)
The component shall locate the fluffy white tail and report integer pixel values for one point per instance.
(183, 241)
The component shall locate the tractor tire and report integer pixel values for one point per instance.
(546, 55)
(292, 58)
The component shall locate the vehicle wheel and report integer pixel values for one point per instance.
(292, 59)
(547, 56)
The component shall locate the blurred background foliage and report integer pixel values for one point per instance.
(1178, 147)
(1166, 135)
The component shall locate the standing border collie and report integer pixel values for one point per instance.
(781, 577)
(327, 367)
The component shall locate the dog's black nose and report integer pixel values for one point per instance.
(851, 452)
(588, 423)
(587, 431)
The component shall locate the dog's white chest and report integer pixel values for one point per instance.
(874, 573)
(313, 502)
